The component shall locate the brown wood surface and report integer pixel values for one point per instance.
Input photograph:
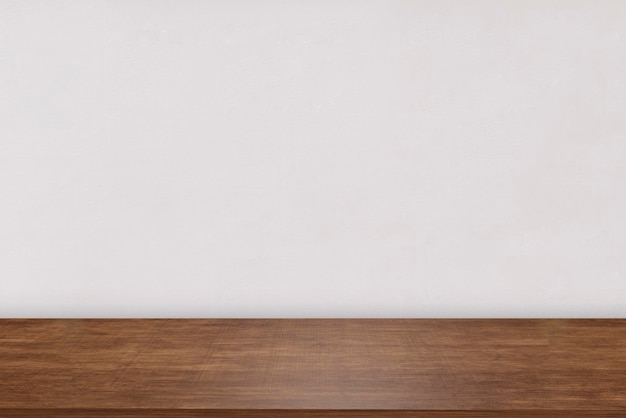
(420, 368)
(277, 413)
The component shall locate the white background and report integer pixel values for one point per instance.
(312, 158)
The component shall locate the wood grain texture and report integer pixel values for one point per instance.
(420, 368)
(281, 413)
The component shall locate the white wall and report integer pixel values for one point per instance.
(312, 158)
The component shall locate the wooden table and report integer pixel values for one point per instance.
(313, 368)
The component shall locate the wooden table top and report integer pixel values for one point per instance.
(313, 367)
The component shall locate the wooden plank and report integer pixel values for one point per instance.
(422, 368)
(274, 413)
